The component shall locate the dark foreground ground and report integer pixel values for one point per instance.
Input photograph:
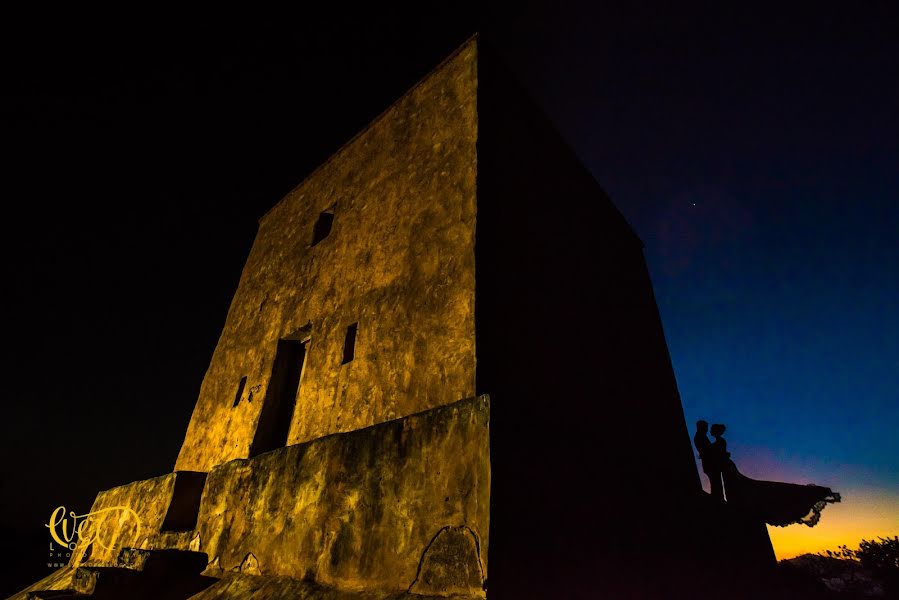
(809, 577)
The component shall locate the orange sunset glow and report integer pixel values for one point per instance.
(862, 514)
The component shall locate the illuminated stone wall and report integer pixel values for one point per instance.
(399, 261)
(113, 527)
(400, 503)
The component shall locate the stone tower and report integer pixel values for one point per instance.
(443, 354)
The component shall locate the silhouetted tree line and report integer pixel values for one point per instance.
(880, 557)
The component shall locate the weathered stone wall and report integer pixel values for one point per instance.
(114, 529)
(381, 508)
(399, 261)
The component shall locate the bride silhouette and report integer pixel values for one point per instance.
(775, 503)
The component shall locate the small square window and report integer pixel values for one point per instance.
(322, 227)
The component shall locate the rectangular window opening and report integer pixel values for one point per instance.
(349, 343)
(240, 387)
(322, 227)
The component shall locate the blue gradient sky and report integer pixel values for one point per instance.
(757, 156)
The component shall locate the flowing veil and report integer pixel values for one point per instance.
(776, 503)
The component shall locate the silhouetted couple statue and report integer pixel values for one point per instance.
(775, 503)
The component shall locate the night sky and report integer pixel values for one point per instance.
(755, 152)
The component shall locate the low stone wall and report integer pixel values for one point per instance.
(394, 505)
(132, 516)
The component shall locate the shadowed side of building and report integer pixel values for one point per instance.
(594, 477)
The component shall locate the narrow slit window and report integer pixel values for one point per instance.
(349, 343)
(322, 227)
(240, 387)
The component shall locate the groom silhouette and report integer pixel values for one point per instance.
(711, 465)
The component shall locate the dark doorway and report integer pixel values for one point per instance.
(184, 507)
(280, 398)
